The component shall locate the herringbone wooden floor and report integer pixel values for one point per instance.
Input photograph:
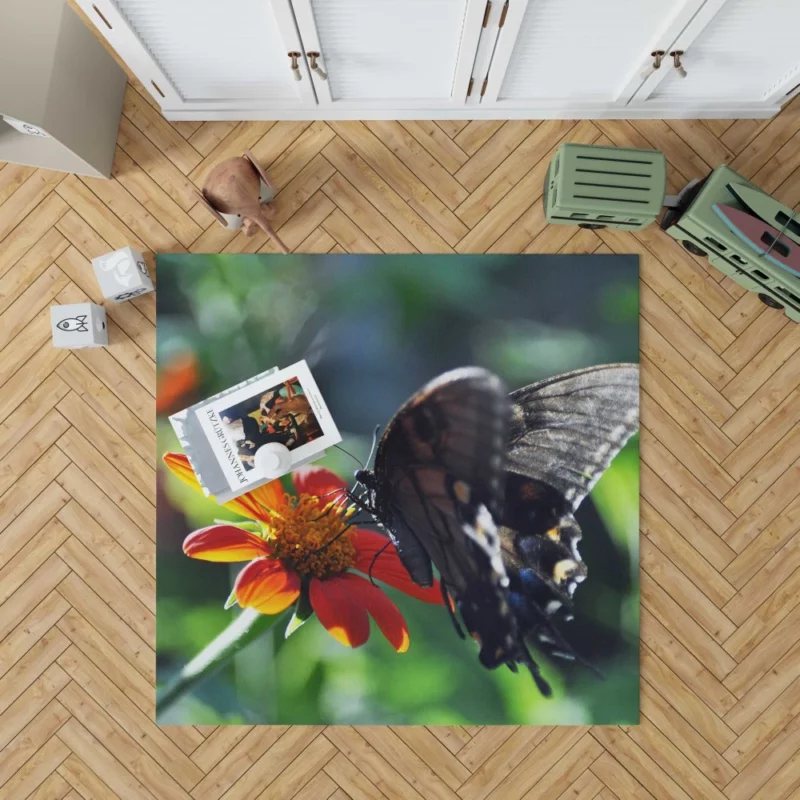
(720, 471)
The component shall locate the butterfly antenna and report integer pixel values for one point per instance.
(448, 604)
(348, 453)
(374, 444)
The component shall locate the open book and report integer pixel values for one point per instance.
(220, 435)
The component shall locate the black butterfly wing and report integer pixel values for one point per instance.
(564, 433)
(439, 479)
(566, 430)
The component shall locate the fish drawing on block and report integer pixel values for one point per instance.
(763, 238)
(77, 324)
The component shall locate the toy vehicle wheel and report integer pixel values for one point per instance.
(770, 301)
(693, 248)
(591, 226)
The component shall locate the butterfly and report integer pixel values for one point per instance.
(483, 485)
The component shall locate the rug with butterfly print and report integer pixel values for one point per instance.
(468, 555)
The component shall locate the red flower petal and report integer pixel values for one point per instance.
(388, 567)
(266, 585)
(224, 543)
(342, 603)
(342, 614)
(321, 483)
(383, 611)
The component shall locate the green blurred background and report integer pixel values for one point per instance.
(374, 329)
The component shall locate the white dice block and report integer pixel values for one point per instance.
(122, 274)
(79, 325)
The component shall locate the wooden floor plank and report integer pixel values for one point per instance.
(766, 619)
(385, 199)
(437, 143)
(139, 111)
(684, 736)
(236, 762)
(769, 687)
(770, 723)
(30, 230)
(395, 174)
(112, 627)
(120, 744)
(427, 170)
(26, 198)
(12, 176)
(685, 556)
(510, 171)
(475, 134)
(106, 774)
(17, 280)
(106, 584)
(778, 569)
(28, 741)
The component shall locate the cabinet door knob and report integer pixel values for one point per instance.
(658, 56)
(294, 65)
(312, 57)
(676, 59)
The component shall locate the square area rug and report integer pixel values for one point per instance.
(478, 566)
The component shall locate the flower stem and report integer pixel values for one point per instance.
(248, 626)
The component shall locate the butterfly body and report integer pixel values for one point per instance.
(437, 489)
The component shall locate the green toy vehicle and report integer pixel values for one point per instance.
(701, 230)
(605, 187)
(745, 234)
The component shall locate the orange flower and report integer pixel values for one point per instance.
(307, 548)
(179, 378)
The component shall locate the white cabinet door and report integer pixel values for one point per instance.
(206, 53)
(737, 51)
(576, 53)
(390, 54)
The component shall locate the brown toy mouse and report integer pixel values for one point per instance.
(234, 189)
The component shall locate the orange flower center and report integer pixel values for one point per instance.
(310, 540)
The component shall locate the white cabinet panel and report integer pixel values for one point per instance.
(390, 52)
(582, 50)
(748, 51)
(206, 52)
(481, 59)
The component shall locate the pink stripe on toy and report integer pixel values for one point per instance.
(763, 238)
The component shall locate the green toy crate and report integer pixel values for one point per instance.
(605, 187)
(698, 228)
